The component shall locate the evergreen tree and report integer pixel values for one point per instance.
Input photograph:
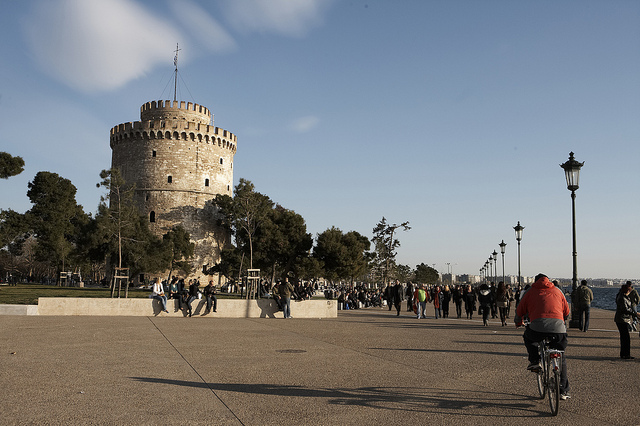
(10, 165)
(55, 218)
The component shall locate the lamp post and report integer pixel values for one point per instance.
(489, 270)
(572, 173)
(518, 228)
(486, 270)
(495, 266)
(502, 250)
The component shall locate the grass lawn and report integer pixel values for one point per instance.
(27, 294)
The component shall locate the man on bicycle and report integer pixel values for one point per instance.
(547, 309)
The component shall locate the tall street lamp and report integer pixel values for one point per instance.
(518, 228)
(502, 250)
(495, 266)
(572, 173)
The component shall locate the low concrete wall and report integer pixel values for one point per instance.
(18, 309)
(227, 308)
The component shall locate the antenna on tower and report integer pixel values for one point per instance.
(175, 80)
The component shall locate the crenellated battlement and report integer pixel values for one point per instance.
(172, 129)
(175, 110)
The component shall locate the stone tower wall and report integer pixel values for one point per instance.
(178, 163)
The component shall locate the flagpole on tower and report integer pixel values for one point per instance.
(175, 80)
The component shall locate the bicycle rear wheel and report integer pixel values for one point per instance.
(554, 392)
(541, 386)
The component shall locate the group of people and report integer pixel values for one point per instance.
(486, 299)
(185, 294)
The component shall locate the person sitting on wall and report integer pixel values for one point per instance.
(210, 295)
(158, 294)
(275, 293)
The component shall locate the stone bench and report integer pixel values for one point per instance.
(227, 308)
(18, 310)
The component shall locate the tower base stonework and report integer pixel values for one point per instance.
(178, 162)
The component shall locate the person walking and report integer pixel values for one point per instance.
(409, 291)
(624, 319)
(458, 296)
(286, 289)
(469, 301)
(446, 300)
(397, 293)
(437, 301)
(547, 309)
(502, 301)
(485, 301)
(421, 297)
(584, 297)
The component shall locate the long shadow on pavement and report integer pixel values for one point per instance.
(427, 400)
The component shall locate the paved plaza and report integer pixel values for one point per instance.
(365, 367)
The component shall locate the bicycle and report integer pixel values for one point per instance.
(548, 376)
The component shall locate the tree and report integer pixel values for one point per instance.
(342, 256)
(179, 247)
(122, 233)
(55, 218)
(12, 225)
(426, 274)
(386, 245)
(10, 165)
(282, 242)
(243, 214)
(404, 273)
(229, 264)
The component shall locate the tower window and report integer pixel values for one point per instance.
(169, 179)
(152, 217)
(153, 153)
(146, 197)
(206, 182)
(221, 161)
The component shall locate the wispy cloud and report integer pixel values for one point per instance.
(95, 45)
(288, 17)
(205, 30)
(304, 124)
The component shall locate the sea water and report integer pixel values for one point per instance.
(603, 297)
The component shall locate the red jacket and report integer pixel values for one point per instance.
(546, 307)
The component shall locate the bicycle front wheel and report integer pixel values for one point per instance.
(554, 392)
(541, 386)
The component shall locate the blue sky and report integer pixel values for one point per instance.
(452, 115)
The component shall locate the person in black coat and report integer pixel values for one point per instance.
(469, 301)
(398, 292)
(485, 299)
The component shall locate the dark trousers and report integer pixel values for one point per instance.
(398, 305)
(625, 339)
(503, 314)
(558, 341)
(485, 313)
(212, 300)
(584, 317)
(459, 309)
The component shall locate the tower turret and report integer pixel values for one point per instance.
(178, 162)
